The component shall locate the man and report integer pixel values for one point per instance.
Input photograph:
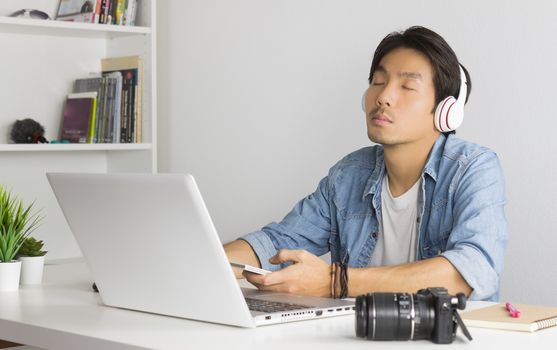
(421, 209)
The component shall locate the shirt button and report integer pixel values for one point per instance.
(374, 235)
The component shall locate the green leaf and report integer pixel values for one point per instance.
(16, 223)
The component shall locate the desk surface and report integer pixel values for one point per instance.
(63, 313)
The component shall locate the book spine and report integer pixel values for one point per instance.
(92, 122)
(127, 12)
(106, 12)
(102, 18)
(110, 12)
(118, 120)
(139, 117)
(133, 12)
(107, 135)
(102, 122)
(131, 114)
(117, 108)
(97, 18)
(100, 109)
(139, 104)
(125, 112)
(134, 117)
(116, 12)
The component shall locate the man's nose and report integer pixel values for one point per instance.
(384, 98)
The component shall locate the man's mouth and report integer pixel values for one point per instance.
(381, 117)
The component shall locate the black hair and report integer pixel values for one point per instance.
(446, 74)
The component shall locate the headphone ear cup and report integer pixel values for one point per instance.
(449, 113)
(445, 118)
(364, 101)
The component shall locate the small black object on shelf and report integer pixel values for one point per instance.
(27, 131)
(30, 13)
(95, 289)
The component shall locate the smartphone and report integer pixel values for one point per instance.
(250, 268)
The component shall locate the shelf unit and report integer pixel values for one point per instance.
(40, 61)
(47, 147)
(32, 26)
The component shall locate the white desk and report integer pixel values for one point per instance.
(64, 313)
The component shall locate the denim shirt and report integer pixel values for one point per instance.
(461, 214)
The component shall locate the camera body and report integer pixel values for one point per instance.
(428, 314)
(444, 329)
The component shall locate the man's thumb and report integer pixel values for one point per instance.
(285, 255)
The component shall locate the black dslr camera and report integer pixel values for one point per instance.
(429, 314)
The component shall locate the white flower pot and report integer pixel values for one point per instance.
(31, 269)
(9, 276)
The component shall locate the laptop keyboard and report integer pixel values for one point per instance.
(272, 306)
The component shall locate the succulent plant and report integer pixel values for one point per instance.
(31, 247)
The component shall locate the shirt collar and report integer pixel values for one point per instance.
(377, 174)
(431, 167)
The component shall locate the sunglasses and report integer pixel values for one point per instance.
(30, 13)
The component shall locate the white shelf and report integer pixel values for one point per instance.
(46, 147)
(40, 61)
(61, 28)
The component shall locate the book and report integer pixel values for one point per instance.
(94, 84)
(130, 12)
(78, 120)
(108, 118)
(78, 11)
(117, 107)
(97, 18)
(128, 94)
(113, 113)
(532, 317)
(103, 11)
(120, 9)
(131, 99)
(110, 12)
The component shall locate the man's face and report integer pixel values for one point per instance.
(400, 99)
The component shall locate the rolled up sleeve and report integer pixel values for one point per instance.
(307, 226)
(263, 247)
(477, 241)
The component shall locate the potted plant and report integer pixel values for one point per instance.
(16, 223)
(31, 256)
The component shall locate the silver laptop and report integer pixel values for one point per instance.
(151, 246)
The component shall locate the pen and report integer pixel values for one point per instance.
(513, 311)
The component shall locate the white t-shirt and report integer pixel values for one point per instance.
(396, 242)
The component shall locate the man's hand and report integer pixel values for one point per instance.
(240, 251)
(308, 275)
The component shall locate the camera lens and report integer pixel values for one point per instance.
(361, 316)
(395, 316)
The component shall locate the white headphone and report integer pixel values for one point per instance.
(449, 113)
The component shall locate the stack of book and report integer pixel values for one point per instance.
(106, 108)
(120, 12)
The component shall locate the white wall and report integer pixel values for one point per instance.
(259, 98)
